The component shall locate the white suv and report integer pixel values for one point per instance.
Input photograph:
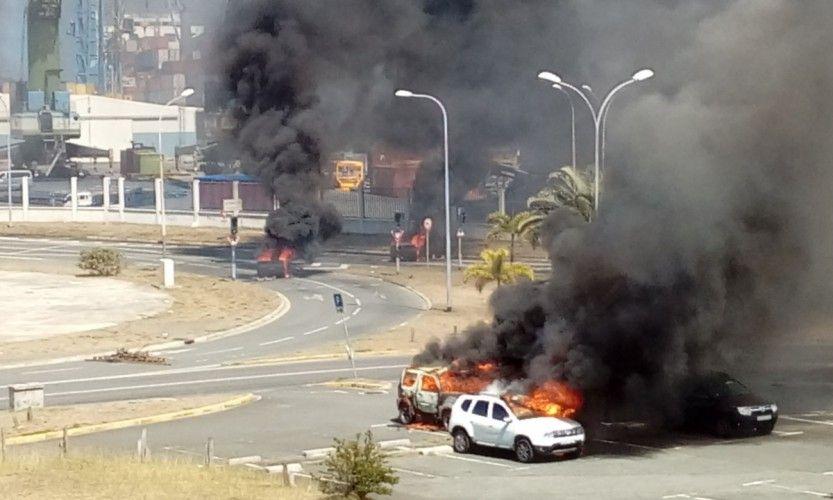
(487, 420)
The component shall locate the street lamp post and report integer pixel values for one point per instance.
(183, 95)
(408, 93)
(597, 114)
(572, 117)
(9, 158)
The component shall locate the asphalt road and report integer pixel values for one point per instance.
(296, 413)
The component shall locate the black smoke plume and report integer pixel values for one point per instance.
(714, 235)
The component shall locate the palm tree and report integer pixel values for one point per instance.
(566, 187)
(515, 226)
(494, 267)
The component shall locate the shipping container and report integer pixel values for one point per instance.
(216, 188)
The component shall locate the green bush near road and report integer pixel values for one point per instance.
(101, 261)
(357, 468)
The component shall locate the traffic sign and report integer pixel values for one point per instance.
(233, 206)
(427, 223)
(339, 302)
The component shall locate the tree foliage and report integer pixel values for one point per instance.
(494, 266)
(520, 225)
(358, 468)
(566, 187)
(101, 261)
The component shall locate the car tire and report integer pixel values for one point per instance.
(406, 415)
(524, 451)
(461, 441)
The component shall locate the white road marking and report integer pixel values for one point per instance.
(756, 483)
(830, 473)
(342, 320)
(15, 257)
(404, 323)
(678, 495)
(358, 309)
(177, 351)
(787, 433)
(316, 330)
(224, 350)
(358, 302)
(807, 420)
(388, 424)
(224, 379)
(277, 341)
(416, 473)
(50, 371)
(331, 287)
(475, 460)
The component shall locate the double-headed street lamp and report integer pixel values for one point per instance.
(408, 93)
(597, 114)
(188, 92)
(558, 87)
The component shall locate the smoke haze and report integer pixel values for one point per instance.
(714, 226)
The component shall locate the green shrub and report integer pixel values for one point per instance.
(101, 261)
(358, 468)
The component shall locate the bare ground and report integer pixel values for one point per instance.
(57, 417)
(200, 305)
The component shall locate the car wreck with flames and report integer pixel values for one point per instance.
(427, 394)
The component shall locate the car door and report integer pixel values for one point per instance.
(480, 421)
(428, 394)
(498, 431)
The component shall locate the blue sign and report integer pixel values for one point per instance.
(338, 302)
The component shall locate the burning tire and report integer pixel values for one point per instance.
(524, 451)
(462, 442)
(406, 414)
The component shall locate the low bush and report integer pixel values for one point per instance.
(101, 261)
(357, 468)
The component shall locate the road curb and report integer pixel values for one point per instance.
(275, 315)
(315, 357)
(37, 437)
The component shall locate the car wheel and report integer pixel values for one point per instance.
(406, 415)
(462, 442)
(723, 429)
(524, 451)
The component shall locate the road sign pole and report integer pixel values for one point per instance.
(347, 344)
(233, 262)
(427, 247)
(460, 250)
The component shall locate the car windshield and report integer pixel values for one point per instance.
(733, 388)
(522, 413)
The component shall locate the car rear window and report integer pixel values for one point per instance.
(429, 384)
(466, 404)
(499, 412)
(481, 408)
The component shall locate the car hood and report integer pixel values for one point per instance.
(744, 400)
(541, 425)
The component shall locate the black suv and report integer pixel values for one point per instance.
(717, 403)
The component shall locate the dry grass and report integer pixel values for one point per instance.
(149, 233)
(108, 477)
(200, 305)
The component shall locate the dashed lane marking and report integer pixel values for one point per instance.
(278, 341)
(807, 420)
(358, 309)
(232, 349)
(415, 473)
(757, 483)
(316, 330)
(787, 433)
(36, 372)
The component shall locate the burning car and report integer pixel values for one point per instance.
(275, 261)
(488, 420)
(429, 393)
(719, 404)
(409, 250)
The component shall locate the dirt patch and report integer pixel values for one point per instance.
(176, 235)
(53, 418)
(199, 305)
(113, 476)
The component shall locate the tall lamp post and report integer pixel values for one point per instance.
(559, 88)
(9, 157)
(183, 95)
(408, 93)
(597, 114)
